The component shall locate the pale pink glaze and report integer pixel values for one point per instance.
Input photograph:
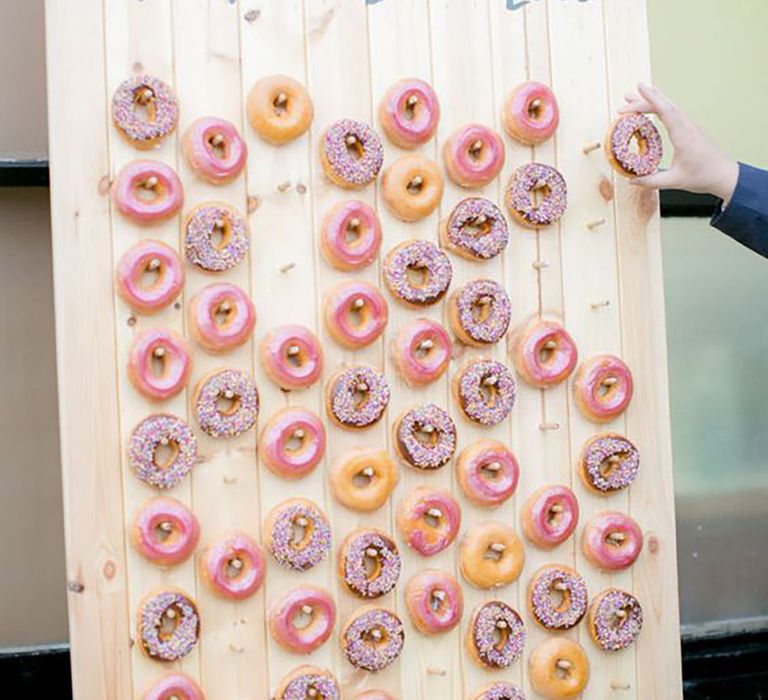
(374, 695)
(169, 193)
(421, 366)
(204, 158)
(302, 640)
(559, 362)
(419, 598)
(178, 524)
(174, 685)
(604, 552)
(237, 325)
(545, 527)
(589, 378)
(482, 486)
(409, 127)
(278, 432)
(281, 369)
(467, 171)
(176, 364)
(532, 128)
(347, 247)
(419, 534)
(149, 256)
(216, 568)
(355, 330)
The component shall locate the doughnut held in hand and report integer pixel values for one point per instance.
(636, 160)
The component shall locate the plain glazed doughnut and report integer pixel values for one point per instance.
(531, 113)
(536, 195)
(292, 442)
(474, 155)
(412, 187)
(603, 388)
(162, 264)
(496, 635)
(500, 690)
(147, 191)
(369, 563)
(425, 437)
(557, 597)
(409, 113)
(417, 273)
(216, 237)
(428, 520)
(145, 111)
(298, 534)
(491, 555)
(236, 390)
(279, 109)
(221, 317)
(357, 397)
(550, 516)
(434, 601)
(559, 669)
(626, 160)
(156, 432)
(350, 235)
(479, 312)
(543, 352)
(174, 685)
(313, 607)
(373, 638)
(615, 619)
(351, 154)
(475, 229)
(159, 364)
(356, 314)
(363, 479)
(485, 391)
(292, 357)
(165, 531)
(308, 682)
(487, 472)
(214, 149)
(168, 625)
(234, 566)
(608, 463)
(612, 541)
(421, 351)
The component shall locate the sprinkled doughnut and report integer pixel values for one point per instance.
(412, 187)
(612, 541)
(550, 516)
(536, 195)
(531, 114)
(154, 432)
(475, 229)
(159, 364)
(363, 479)
(309, 605)
(373, 638)
(147, 191)
(165, 531)
(421, 351)
(357, 397)
(162, 264)
(356, 314)
(234, 566)
(409, 113)
(434, 601)
(350, 236)
(308, 682)
(608, 463)
(369, 563)
(559, 669)
(279, 109)
(485, 390)
(496, 635)
(417, 273)
(615, 619)
(292, 442)
(429, 520)
(222, 317)
(298, 534)
(500, 690)
(168, 625)
(488, 472)
(479, 312)
(474, 155)
(174, 685)
(603, 388)
(215, 237)
(292, 357)
(543, 352)
(557, 581)
(144, 110)
(625, 159)
(239, 396)
(214, 149)
(351, 154)
(491, 555)
(425, 437)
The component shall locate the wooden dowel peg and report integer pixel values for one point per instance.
(600, 304)
(299, 434)
(284, 186)
(590, 147)
(439, 595)
(596, 223)
(556, 508)
(564, 665)
(354, 223)
(493, 467)
(306, 609)
(151, 183)
(539, 264)
(549, 426)
(412, 100)
(435, 513)
(498, 547)
(301, 521)
(616, 537)
(358, 303)
(416, 181)
(372, 552)
(616, 685)
(368, 471)
(287, 267)
(350, 140)
(550, 345)
(293, 350)
(426, 344)
(433, 671)
(610, 381)
(217, 140)
(491, 381)
(229, 479)
(159, 352)
(281, 100)
(236, 648)
(154, 264)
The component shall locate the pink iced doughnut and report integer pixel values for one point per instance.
(169, 351)
(174, 686)
(292, 442)
(544, 353)
(421, 351)
(305, 602)
(434, 601)
(612, 541)
(164, 195)
(409, 113)
(550, 515)
(222, 317)
(603, 388)
(165, 531)
(429, 520)
(473, 155)
(292, 357)
(356, 314)
(234, 566)
(488, 472)
(350, 236)
(214, 149)
(153, 258)
(531, 114)
(374, 695)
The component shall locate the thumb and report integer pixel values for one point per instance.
(660, 180)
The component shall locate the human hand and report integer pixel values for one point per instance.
(698, 164)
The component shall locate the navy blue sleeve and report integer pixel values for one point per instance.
(745, 217)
